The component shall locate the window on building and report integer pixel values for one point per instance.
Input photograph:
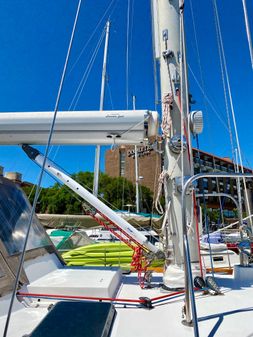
(205, 183)
(122, 163)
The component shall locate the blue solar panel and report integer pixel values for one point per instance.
(77, 319)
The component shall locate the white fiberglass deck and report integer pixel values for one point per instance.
(23, 321)
(223, 315)
(228, 315)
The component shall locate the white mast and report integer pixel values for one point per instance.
(101, 108)
(169, 39)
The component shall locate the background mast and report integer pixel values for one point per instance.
(101, 108)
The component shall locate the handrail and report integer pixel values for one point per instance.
(189, 292)
(236, 204)
(233, 223)
(214, 194)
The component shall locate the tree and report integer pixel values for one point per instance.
(115, 192)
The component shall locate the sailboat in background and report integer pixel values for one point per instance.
(38, 290)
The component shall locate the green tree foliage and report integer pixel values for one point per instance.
(116, 192)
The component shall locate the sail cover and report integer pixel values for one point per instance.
(78, 127)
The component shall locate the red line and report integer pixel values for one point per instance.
(168, 295)
(100, 298)
(82, 297)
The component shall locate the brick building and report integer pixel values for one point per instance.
(120, 162)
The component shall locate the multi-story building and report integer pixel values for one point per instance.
(121, 162)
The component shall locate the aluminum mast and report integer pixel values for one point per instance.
(168, 35)
(102, 96)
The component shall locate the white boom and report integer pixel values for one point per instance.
(52, 169)
(78, 127)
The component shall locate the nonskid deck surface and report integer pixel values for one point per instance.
(23, 321)
(222, 315)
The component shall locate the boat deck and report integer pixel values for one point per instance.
(221, 315)
(227, 315)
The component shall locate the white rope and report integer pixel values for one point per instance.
(165, 220)
(162, 181)
(166, 119)
(155, 185)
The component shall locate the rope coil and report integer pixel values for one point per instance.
(166, 120)
(161, 182)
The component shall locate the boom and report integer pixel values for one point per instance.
(127, 229)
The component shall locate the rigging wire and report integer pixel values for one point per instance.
(182, 61)
(78, 93)
(86, 74)
(224, 86)
(198, 52)
(248, 31)
(202, 85)
(22, 257)
(156, 95)
(226, 108)
(207, 99)
(184, 109)
(34, 185)
(200, 71)
(93, 33)
(232, 106)
(127, 54)
(110, 94)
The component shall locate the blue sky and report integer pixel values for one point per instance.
(34, 37)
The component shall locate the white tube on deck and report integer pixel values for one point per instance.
(78, 127)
